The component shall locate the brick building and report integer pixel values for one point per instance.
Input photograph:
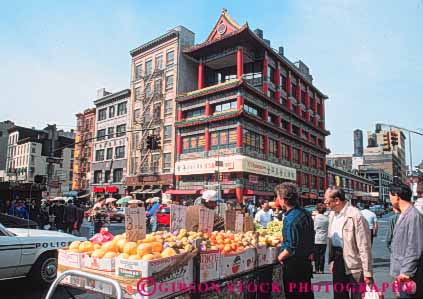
(254, 120)
(85, 132)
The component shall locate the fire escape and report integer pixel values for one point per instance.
(150, 121)
(82, 159)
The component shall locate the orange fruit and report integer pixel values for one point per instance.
(110, 255)
(130, 248)
(144, 248)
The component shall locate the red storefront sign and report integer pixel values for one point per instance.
(166, 179)
(112, 189)
(98, 189)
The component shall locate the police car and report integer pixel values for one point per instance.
(31, 252)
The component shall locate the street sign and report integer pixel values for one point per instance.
(54, 160)
(219, 163)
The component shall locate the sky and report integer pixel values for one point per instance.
(365, 55)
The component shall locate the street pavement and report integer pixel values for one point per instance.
(23, 289)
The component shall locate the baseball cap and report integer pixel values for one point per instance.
(209, 195)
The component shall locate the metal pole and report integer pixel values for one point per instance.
(411, 155)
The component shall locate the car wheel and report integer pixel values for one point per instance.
(44, 270)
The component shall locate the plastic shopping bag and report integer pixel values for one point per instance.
(102, 237)
(371, 293)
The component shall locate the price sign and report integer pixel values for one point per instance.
(206, 220)
(135, 224)
(178, 217)
(239, 223)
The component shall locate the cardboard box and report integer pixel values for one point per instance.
(231, 264)
(94, 263)
(75, 281)
(272, 255)
(100, 287)
(262, 255)
(210, 265)
(249, 259)
(70, 259)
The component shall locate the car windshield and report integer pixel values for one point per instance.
(4, 231)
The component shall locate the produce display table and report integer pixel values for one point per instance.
(244, 285)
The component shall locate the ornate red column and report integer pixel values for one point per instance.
(278, 149)
(179, 118)
(206, 139)
(266, 144)
(277, 80)
(207, 111)
(288, 90)
(322, 114)
(265, 86)
(239, 63)
(239, 136)
(239, 194)
(301, 156)
(289, 152)
(290, 128)
(315, 110)
(200, 75)
(298, 96)
(307, 104)
(178, 144)
(239, 102)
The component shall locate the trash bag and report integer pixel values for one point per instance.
(102, 237)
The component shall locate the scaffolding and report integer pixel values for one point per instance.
(149, 120)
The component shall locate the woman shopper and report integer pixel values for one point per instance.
(321, 224)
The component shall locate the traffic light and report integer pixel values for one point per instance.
(386, 142)
(153, 142)
(394, 138)
(149, 142)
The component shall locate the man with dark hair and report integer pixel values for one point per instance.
(264, 216)
(297, 245)
(407, 242)
(371, 220)
(69, 216)
(350, 253)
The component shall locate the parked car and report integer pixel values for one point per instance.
(16, 222)
(31, 252)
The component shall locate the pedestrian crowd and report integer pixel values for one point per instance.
(348, 234)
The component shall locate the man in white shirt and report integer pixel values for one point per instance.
(371, 220)
(419, 202)
(264, 216)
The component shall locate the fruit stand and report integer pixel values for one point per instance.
(177, 264)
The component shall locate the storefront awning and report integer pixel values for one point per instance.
(98, 189)
(146, 191)
(183, 192)
(259, 193)
(154, 191)
(112, 189)
(136, 191)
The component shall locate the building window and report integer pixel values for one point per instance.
(253, 141)
(120, 130)
(121, 110)
(273, 148)
(102, 114)
(271, 119)
(284, 82)
(99, 155)
(138, 93)
(285, 152)
(296, 130)
(271, 74)
(109, 153)
(294, 90)
(155, 163)
(170, 57)
(98, 177)
(314, 161)
(107, 176)
(137, 114)
(194, 143)
(169, 82)
(194, 113)
(322, 183)
(158, 86)
(285, 124)
(225, 106)
(305, 158)
(120, 152)
(117, 175)
(148, 67)
(168, 107)
(159, 62)
(313, 182)
(101, 134)
(167, 134)
(271, 94)
(148, 91)
(223, 139)
(111, 111)
(138, 72)
(167, 159)
(251, 110)
(305, 180)
(110, 132)
(157, 109)
(296, 155)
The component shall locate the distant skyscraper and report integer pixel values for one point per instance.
(358, 143)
